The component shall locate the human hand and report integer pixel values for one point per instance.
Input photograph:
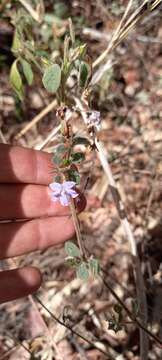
(24, 194)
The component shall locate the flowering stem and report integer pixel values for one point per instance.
(77, 228)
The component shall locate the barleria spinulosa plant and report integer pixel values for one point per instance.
(67, 77)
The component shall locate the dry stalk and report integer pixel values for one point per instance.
(2, 138)
(37, 118)
(125, 26)
(140, 287)
(49, 138)
(114, 37)
(35, 15)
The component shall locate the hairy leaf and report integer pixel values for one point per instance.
(71, 249)
(82, 271)
(52, 78)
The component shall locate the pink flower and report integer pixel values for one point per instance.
(63, 192)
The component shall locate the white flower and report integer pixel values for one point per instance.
(63, 192)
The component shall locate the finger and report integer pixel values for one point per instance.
(20, 164)
(23, 237)
(32, 201)
(18, 283)
(28, 201)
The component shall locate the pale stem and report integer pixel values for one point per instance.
(29, 8)
(77, 228)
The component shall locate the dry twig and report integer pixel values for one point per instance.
(37, 118)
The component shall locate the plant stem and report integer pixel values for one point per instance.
(77, 229)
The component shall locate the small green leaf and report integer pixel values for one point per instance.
(83, 74)
(15, 80)
(82, 271)
(77, 157)
(79, 140)
(66, 162)
(94, 267)
(71, 249)
(74, 176)
(27, 69)
(52, 78)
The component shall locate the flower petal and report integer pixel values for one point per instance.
(64, 200)
(56, 187)
(68, 185)
(54, 198)
(72, 193)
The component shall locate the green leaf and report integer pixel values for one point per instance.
(74, 176)
(16, 44)
(71, 249)
(83, 74)
(79, 140)
(73, 262)
(27, 71)
(82, 271)
(15, 80)
(94, 267)
(66, 162)
(52, 78)
(77, 157)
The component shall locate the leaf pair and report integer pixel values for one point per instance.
(84, 269)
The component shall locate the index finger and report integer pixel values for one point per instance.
(24, 165)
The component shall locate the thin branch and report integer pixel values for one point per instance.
(49, 138)
(133, 318)
(77, 228)
(37, 118)
(125, 27)
(74, 332)
(50, 337)
(2, 138)
(114, 37)
(19, 343)
(35, 15)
